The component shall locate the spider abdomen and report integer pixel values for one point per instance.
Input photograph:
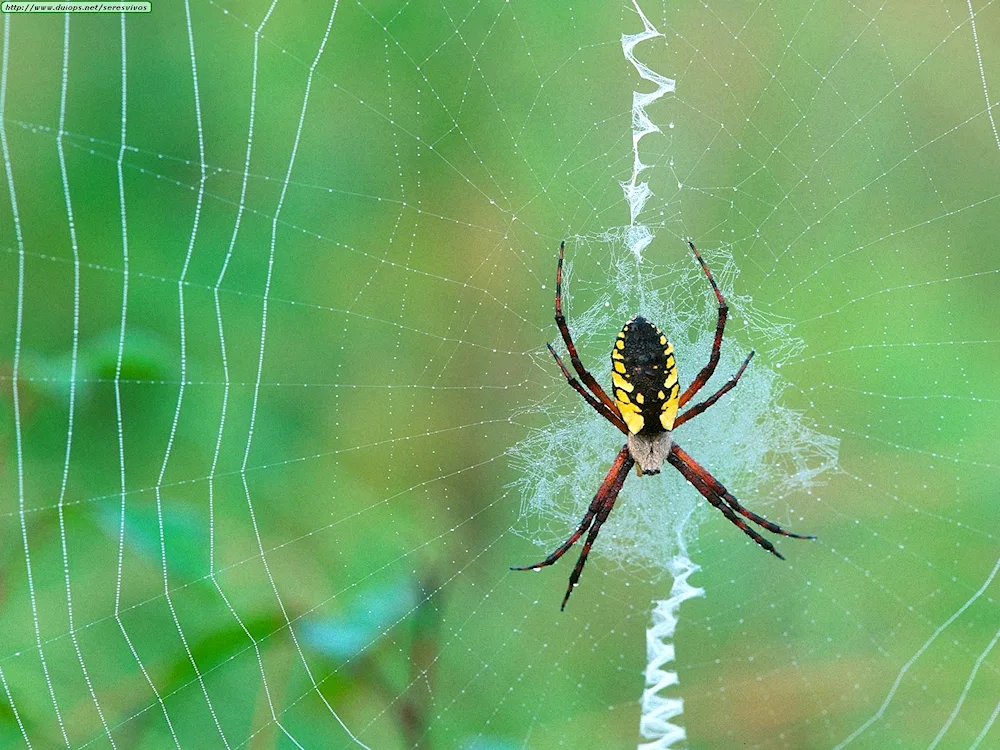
(644, 376)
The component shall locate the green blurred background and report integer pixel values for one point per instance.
(339, 556)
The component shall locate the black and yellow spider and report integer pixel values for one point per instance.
(647, 397)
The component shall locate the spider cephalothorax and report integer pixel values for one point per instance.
(647, 398)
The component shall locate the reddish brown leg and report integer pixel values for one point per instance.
(699, 484)
(563, 548)
(585, 376)
(594, 403)
(602, 515)
(713, 360)
(697, 409)
(718, 489)
(600, 507)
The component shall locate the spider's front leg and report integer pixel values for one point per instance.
(714, 491)
(597, 514)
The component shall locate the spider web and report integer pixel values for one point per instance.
(277, 412)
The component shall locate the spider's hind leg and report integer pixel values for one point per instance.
(720, 327)
(588, 380)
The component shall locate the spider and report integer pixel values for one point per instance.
(647, 398)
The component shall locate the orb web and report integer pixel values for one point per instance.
(379, 203)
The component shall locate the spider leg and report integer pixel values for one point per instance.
(563, 548)
(717, 487)
(602, 515)
(600, 507)
(699, 484)
(594, 403)
(697, 409)
(585, 376)
(713, 360)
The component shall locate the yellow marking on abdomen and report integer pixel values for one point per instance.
(629, 411)
(668, 412)
(621, 382)
(671, 370)
(633, 419)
